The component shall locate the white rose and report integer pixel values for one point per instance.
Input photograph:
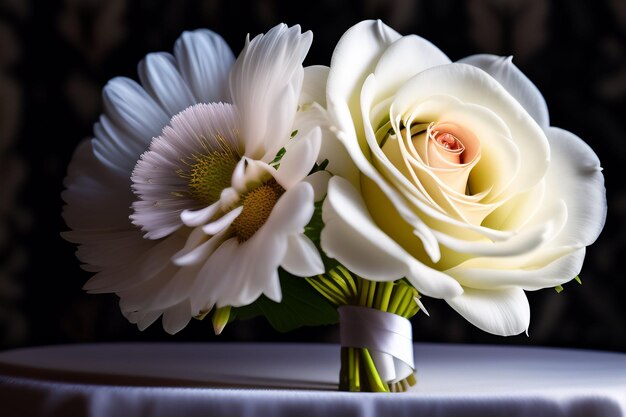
(464, 189)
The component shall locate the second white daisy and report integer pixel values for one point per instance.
(221, 197)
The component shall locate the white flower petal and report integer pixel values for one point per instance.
(354, 57)
(248, 174)
(351, 236)
(237, 273)
(204, 60)
(575, 176)
(393, 193)
(319, 182)
(96, 197)
(132, 110)
(314, 85)
(526, 241)
(149, 263)
(542, 269)
(197, 251)
(177, 317)
(503, 312)
(302, 258)
(161, 176)
(147, 319)
(472, 85)
(331, 150)
(223, 222)
(193, 218)
(103, 249)
(161, 79)
(139, 297)
(299, 159)
(265, 84)
(292, 211)
(114, 148)
(515, 82)
(403, 59)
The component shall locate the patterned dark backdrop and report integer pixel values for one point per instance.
(56, 55)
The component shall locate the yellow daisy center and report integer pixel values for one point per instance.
(209, 174)
(257, 206)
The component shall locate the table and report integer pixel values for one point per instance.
(243, 379)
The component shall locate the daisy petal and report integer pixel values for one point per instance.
(205, 59)
(302, 258)
(223, 222)
(147, 319)
(314, 85)
(177, 317)
(299, 159)
(160, 77)
(115, 149)
(319, 182)
(196, 252)
(193, 218)
(132, 110)
(293, 210)
(265, 84)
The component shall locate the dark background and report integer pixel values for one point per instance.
(55, 56)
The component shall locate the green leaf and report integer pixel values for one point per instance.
(279, 155)
(313, 230)
(301, 306)
(560, 288)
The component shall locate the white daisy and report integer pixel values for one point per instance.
(202, 215)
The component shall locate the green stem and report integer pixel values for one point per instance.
(386, 297)
(373, 377)
(358, 371)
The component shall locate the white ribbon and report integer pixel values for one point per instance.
(387, 336)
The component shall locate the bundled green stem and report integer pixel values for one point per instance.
(340, 287)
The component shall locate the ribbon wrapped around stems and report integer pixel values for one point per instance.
(376, 335)
(388, 338)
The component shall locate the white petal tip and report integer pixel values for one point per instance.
(421, 306)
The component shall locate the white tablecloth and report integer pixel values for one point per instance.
(200, 379)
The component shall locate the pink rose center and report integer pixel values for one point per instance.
(449, 141)
(445, 145)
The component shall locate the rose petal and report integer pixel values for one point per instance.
(515, 82)
(575, 176)
(354, 58)
(472, 85)
(542, 268)
(403, 59)
(503, 312)
(351, 236)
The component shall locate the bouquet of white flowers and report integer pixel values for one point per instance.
(228, 188)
